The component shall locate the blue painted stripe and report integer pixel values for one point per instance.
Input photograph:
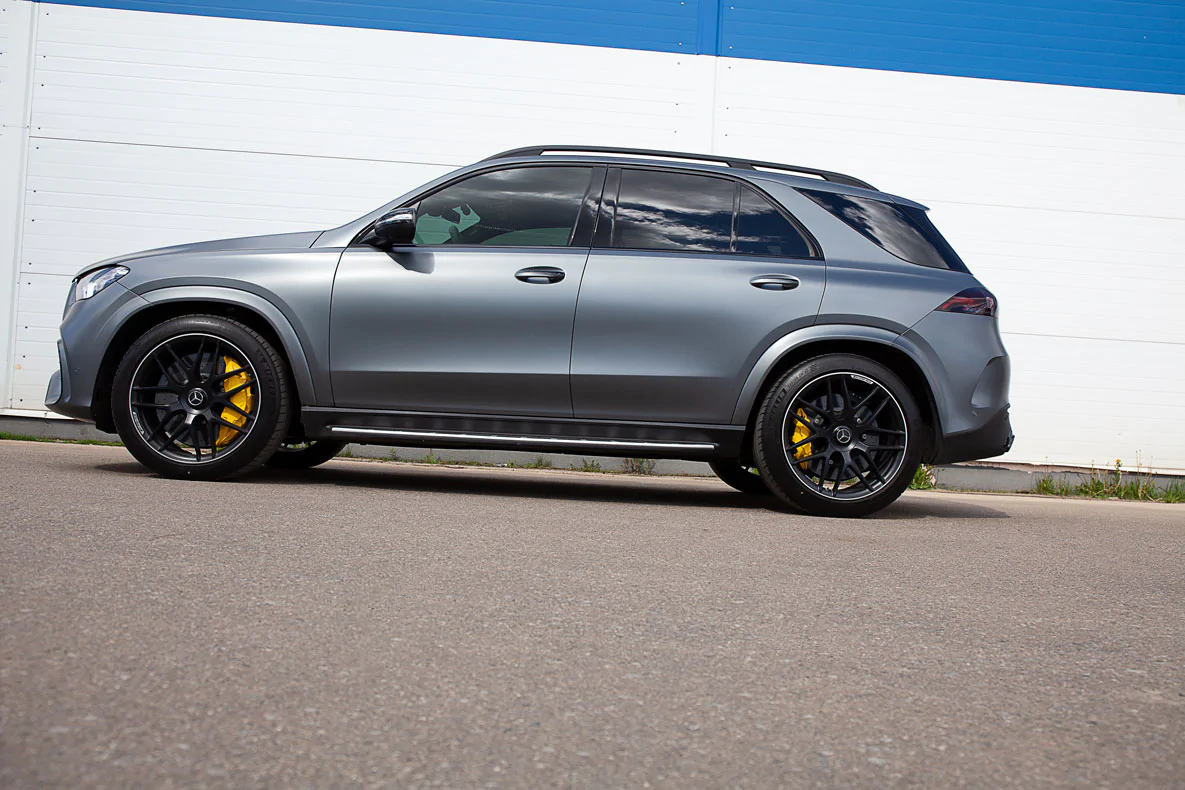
(656, 25)
(1125, 44)
(1096, 43)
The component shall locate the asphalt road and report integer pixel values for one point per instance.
(391, 625)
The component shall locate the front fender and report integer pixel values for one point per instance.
(820, 333)
(294, 347)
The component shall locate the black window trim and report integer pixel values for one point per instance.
(360, 239)
(607, 217)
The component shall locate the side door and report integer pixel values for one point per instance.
(691, 278)
(475, 317)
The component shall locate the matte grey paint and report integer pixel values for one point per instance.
(673, 336)
(661, 337)
(453, 330)
(957, 350)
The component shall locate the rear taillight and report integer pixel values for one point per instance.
(975, 301)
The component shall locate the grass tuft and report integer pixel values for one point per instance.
(923, 478)
(1113, 483)
(22, 437)
(638, 466)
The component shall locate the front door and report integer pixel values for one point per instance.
(691, 278)
(476, 316)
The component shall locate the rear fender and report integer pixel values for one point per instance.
(823, 333)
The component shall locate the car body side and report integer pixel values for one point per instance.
(283, 285)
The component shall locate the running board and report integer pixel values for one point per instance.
(600, 444)
(532, 434)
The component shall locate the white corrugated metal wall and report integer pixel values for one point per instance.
(132, 130)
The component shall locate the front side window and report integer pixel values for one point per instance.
(673, 211)
(520, 207)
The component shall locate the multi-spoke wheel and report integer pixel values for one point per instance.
(305, 455)
(202, 397)
(839, 435)
(745, 479)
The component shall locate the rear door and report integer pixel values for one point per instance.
(475, 317)
(691, 278)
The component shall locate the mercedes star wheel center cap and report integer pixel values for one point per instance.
(196, 398)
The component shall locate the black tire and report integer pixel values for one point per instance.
(853, 428)
(745, 479)
(304, 455)
(164, 421)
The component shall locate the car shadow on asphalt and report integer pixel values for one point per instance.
(623, 489)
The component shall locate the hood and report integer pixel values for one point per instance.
(274, 241)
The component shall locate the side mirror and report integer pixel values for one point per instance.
(396, 227)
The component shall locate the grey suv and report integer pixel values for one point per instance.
(806, 334)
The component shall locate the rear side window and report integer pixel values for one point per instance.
(763, 230)
(903, 231)
(673, 211)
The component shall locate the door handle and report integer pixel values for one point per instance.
(540, 275)
(774, 282)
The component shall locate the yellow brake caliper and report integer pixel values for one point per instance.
(244, 399)
(801, 432)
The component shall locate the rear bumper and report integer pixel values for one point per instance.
(992, 439)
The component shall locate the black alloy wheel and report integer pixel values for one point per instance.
(202, 397)
(839, 435)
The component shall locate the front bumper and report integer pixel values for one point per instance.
(993, 438)
(86, 332)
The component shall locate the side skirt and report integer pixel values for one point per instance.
(534, 434)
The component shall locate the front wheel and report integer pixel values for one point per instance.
(201, 397)
(745, 479)
(305, 455)
(840, 435)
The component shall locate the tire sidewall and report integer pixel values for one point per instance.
(737, 476)
(271, 413)
(318, 452)
(769, 449)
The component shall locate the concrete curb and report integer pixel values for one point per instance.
(956, 477)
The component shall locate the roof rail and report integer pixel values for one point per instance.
(731, 161)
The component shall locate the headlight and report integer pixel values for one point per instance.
(91, 283)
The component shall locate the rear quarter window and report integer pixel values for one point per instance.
(902, 231)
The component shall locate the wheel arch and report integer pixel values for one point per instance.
(875, 344)
(165, 304)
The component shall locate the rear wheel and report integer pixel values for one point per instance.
(201, 397)
(840, 435)
(305, 455)
(745, 479)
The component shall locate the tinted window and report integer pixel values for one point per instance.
(763, 230)
(524, 207)
(673, 211)
(906, 233)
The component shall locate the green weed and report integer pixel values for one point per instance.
(21, 437)
(638, 466)
(1113, 483)
(923, 478)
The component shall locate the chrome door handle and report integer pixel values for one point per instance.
(540, 275)
(774, 282)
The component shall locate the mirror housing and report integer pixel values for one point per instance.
(396, 227)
